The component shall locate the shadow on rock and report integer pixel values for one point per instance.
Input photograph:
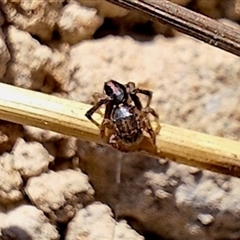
(16, 233)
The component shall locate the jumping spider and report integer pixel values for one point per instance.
(124, 115)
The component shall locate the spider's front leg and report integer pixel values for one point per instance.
(133, 91)
(95, 107)
(96, 98)
(133, 96)
(145, 92)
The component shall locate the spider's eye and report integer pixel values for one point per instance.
(108, 90)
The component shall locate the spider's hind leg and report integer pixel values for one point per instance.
(149, 110)
(107, 122)
(114, 141)
(148, 128)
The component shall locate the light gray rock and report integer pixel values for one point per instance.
(11, 184)
(27, 222)
(9, 133)
(41, 135)
(60, 194)
(78, 23)
(105, 8)
(36, 66)
(36, 17)
(28, 57)
(30, 158)
(96, 222)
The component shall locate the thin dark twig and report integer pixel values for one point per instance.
(188, 22)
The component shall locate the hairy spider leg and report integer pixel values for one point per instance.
(113, 141)
(107, 122)
(136, 101)
(133, 91)
(148, 128)
(97, 97)
(147, 124)
(130, 88)
(92, 110)
(149, 110)
(145, 92)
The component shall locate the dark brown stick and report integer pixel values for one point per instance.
(188, 22)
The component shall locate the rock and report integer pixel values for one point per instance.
(124, 231)
(28, 60)
(36, 66)
(66, 148)
(78, 23)
(40, 135)
(58, 145)
(105, 9)
(205, 219)
(95, 222)
(36, 17)
(30, 158)
(27, 222)
(9, 133)
(11, 184)
(60, 194)
(168, 200)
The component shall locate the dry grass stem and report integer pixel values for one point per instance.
(68, 117)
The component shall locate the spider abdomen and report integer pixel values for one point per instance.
(128, 127)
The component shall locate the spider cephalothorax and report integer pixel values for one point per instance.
(124, 113)
(116, 91)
